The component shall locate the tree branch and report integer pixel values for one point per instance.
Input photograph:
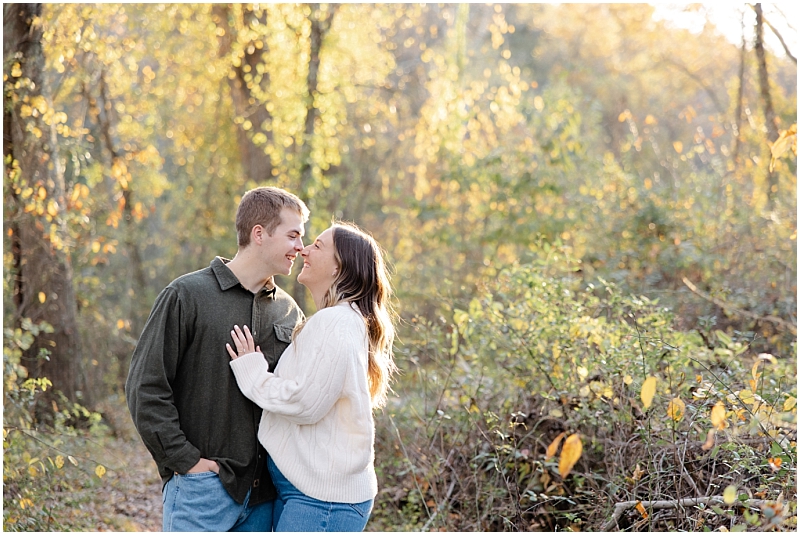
(621, 507)
(780, 322)
(779, 36)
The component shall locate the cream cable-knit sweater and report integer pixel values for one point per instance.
(317, 422)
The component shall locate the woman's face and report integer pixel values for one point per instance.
(319, 263)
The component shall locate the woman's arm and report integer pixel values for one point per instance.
(320, 367)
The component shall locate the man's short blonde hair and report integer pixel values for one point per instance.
(263, 206)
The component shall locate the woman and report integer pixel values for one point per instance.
(317, 422)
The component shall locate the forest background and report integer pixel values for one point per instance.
(590, 212)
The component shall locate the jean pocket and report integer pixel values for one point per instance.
(363, 509)
(198, 475)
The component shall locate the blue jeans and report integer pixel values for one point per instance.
(300, 512)
(199, 502)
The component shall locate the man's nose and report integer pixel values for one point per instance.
(298, 245)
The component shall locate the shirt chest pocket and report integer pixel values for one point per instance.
(280, 340)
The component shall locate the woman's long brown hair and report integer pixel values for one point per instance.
(363, 280)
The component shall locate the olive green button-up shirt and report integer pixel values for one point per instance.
(181, 391)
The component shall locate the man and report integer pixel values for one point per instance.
(181, 392)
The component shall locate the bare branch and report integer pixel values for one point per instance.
(747, 314)
(621, 507)
(779, 36)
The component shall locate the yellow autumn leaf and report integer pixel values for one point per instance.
(33, 471)
(641, 509)
(676, 409)
(42, 297)
(648, 391)
(120, 324)
(627, 379)
(747, 397)
(39, 103)
(570, 453)
(553, 447)
(767, 357)
(100, 470)
(709, 443)
(60, 461)
(678, 146)
(787, 139)
(729, 496)
(718, 415)
(790, 403)
(754, 371)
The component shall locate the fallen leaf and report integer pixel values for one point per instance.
(775, 463)
(747, 396)
(641, 509)
(729, 495)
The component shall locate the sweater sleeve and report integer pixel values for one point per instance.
(322, 362)
(149, 386)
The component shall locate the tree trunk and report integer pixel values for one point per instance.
(43, 288)
(766, 100)
(255, 162)
(136, 279)
(320, 26)
(737, 125)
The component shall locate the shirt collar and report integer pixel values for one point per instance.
(228, 280)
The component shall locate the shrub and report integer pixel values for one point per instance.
(44, 464)
(538, 364)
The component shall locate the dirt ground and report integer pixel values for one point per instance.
(131, 489)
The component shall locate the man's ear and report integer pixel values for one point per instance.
(257, 234)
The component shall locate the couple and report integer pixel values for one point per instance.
(258, 418)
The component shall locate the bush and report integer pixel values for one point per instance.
(44, 465)
(539, 364)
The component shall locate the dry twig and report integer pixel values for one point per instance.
(780, 322)
(621, 507)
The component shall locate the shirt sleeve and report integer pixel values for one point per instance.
(149, 386)
(322, 363)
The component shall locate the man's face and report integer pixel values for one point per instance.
(280, 249)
